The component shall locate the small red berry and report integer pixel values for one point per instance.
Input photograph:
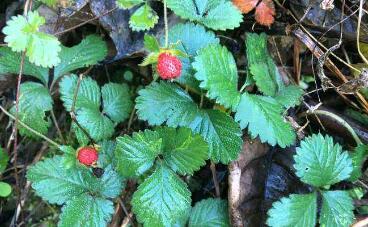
(87, 155)
(168, 66)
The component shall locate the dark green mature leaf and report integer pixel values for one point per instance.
(4, 158)
(358, 156)
(57, 185)
(189, 38)
(263, 79)
(263, 117)
(215, 14)
(320, 162)
(106, 155)
(209, 213)
(295, 210)
(216, 69)
(177, 108)
(86, 211)
(117, 103)
(183, 151)
(256, 45)
(10, 63)
(143, 18)
(337, 209)
(289, 96)
(135, 155)
(91, 50)
(162, 198)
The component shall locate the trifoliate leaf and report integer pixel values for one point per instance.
(34, 100)
(57, 185)
(162, 198)
(263, 79)
(117, 103)
(215, 14)
(337, 209)
(5, 189)
(22, 35)
(209, 213)
(295, 210)
(189, 38)
(127, 4)
(135, 155)
(86, 211)
(10, 63)
(177, 108)
(4, 158)
(320, 162)
(151, 43)
(216, 69)
(289, 96)
(263, 117)
(183, 151)
(358, 157)
(143, 19)
(88, 52)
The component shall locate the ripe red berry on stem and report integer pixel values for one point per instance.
(87, 155)
(168, 66)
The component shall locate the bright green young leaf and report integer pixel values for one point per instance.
(189, 38)
(88, 52)
(34, 101)
(22, 35)
(216, 69)
(136, 154)
(151, 43)
(209, 213)
(49, 2)
(143, 19)
(263, 117)
(117, 103)
(177, 108)
(337, 209)
(10, 63)
(57, 184)
(289, 96)
(127, 4)
(183, 151)
(86, 211)
(162, 198)
(320, 162)
(214, 14)
(5, 189)
(4, 158)
(295, 211)
(263, 79)
(358, 156)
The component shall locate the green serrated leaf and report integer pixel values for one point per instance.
(135, 155)
(289, 96)
(22, 35)
(150, 59)
(57, 185)
(358, 156)
(162, 198)
(70, 157)
(117, 103)
(177, 108)
(4, 158)
(189, 38)
(337, 209)
(5, 189)
(10, 63)
(256, 45)
(263, 79)
(183, 151)
(216, 69)
(88, 52)
(295, 210)
(320, 162)
(151, 43)
(209, 213)
(214, 14)
(263, 117)
(106, 155)
(143, 19)
(49, 2)
(86, 211)
(127, 4)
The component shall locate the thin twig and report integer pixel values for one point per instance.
(166, 26)
(358, 31)
(57, 127)
(214, 178)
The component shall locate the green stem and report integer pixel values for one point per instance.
(166, 26)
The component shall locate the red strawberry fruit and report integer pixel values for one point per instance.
(87, 155)
(168, 66)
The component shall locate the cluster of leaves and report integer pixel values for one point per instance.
(320, 163)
